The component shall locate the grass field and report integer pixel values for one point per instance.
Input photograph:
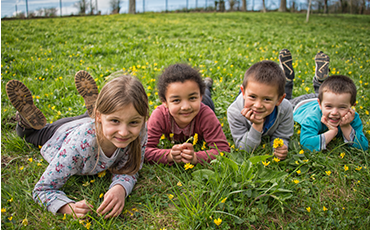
(321, 190)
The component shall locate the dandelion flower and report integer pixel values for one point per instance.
(102, 174)
(265, 163)
(3, 210)
(195, 139)
(358, 168)
(10, 200)
(324, 208)
(298, 171)
(39, 164)
(163, 137)
(179, 183)
(101, 195)
(221, 154)
(301, 152)
(328, 173)
(296, 181)
(25, 222)
(223, 200)
(171, 135)
(308, 209)
(217, 221)
(21, 168)
(170, 196)
(345, 167)
(10, 218)
(342, 155)
(30, 160)
(276, 159)
(277, 143)
(188, 166)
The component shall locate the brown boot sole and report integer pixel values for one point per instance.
(21, 98)
(86, 87)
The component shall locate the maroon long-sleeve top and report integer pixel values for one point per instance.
(205, 124)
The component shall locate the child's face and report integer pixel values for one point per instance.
(261, 98)
(120, 128)
(183, 101)
(335, 106)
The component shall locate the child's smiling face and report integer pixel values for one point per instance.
(261, 98)
(183, 101)
(335, 106)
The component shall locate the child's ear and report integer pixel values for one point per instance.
(164, 103)
(97, 117)
(281, 99)
(242, 89)
(318, 101)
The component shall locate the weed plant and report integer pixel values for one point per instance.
(238, 190)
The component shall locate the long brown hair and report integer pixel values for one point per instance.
(117, 93)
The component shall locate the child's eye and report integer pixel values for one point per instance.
(193, 98)
(268, 99)
(252, 97)
(134, 123)
(115, 121)
(176, 101)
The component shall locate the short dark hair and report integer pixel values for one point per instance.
(178, 73)
(267, 72)
(338, 84)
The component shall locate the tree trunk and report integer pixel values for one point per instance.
(132, 7)
(244, 5)
(264, 7)
(308, 11)
(326, 9)
(282, 7)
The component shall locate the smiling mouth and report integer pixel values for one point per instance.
(122, 139)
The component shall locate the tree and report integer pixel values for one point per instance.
(132, 7)
(115, 6)
(308, 10)
(82, 6)
(263, 6)
(282, 7)
(244, 5)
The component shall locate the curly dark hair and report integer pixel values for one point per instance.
(178, 73)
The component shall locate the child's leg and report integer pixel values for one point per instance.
(322, 70)
(207, 97)
(285, 59)
(86, 87)
(297, 100)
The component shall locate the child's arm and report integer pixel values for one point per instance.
(209, 127)
(311, 136)
(354, 134)
(114, 200)
(332, 130)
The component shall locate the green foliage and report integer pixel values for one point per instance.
(244, 190)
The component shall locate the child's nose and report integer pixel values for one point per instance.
(258, 104)
(123, 131)
(185, 105)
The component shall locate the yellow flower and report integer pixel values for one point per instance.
(328, 172)
(102, 174)
(277, 143)
(296, 181)
(179, 183)
(217, 221)
(299, 132)
(301, 152)
(297, 162)
(10, 200)
(101, 195)
(170, 196)
(92, 181)
(3, 210)
(171, 135)
(265, 163)
(342, 155)
(64, 216)
(358, 168)
(276, 159)
(223, 200)
(345, 167)
(204, 145)
(88, 225)
(163, 137)
(324, 208)
(40, 146)
(305, 160)
(308, 209)
(21, 168)
(188, 166)
(25, 222)
(10, 218)
(30, 160)
(264, 146)
(39, 164)
(195, 139)
(86, 184)
(298, 171)
(221, 154)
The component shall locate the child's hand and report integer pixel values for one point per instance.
(175, 154)
(78, 209)
(330, 127)
(114, 200)
(347, 118)
(187, 154)
(281, 152)
(248, 113)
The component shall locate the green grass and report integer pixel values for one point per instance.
(45, 54)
